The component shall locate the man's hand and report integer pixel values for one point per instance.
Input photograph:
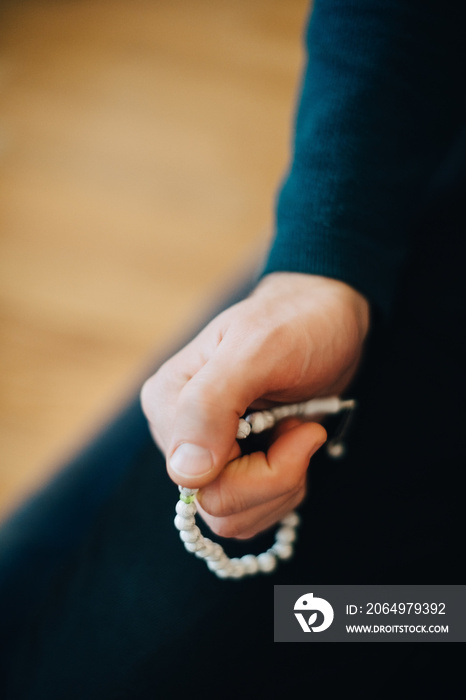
(296, 337)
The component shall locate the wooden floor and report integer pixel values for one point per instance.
(141, 145)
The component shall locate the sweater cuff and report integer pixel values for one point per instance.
(358, 262)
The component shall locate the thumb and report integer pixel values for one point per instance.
(207, 412)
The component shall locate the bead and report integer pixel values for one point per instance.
(193, 546)
(286, 535)
(187, 499)
(223, 573)
(291, 520)
(348, 404)
(280, 412)
(261, 421)
(282, 550)
(250, 564)
(237, 573)
(335, 450)
(187, 495)
(314, 407)
(267, 562)
(206, 549)
(187, 492)
(237, 568)
(185, 509)
(217, 552)
(218, 563)
(244, 428)
(184, 523)
(190, 535)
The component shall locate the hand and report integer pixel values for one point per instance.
(296, 337)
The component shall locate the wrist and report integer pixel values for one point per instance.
(318, 289)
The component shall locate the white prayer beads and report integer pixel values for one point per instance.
(250, 564)
(263, 420)
(216, 559)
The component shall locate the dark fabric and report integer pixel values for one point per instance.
(125, 612)
(100, 601)
(381, 107)
(131, 615)
(51, 523)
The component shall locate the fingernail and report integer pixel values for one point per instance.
(191, 460)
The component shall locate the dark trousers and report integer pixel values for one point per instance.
(99, 599)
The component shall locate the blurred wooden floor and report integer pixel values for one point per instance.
(141, 145)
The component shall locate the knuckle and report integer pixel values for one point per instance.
(214, 506)
(198, 395)
(156, 381)
(221, 501)
(147, 396)
(156, 388)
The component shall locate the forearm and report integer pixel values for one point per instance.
(379, 108)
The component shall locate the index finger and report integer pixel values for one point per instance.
(260, 477)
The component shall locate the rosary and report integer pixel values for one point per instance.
(250, 564)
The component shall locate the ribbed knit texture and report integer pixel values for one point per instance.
(381, 103)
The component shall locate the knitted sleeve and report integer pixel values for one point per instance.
(382, 100)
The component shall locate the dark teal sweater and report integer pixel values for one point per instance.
(381, 105)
